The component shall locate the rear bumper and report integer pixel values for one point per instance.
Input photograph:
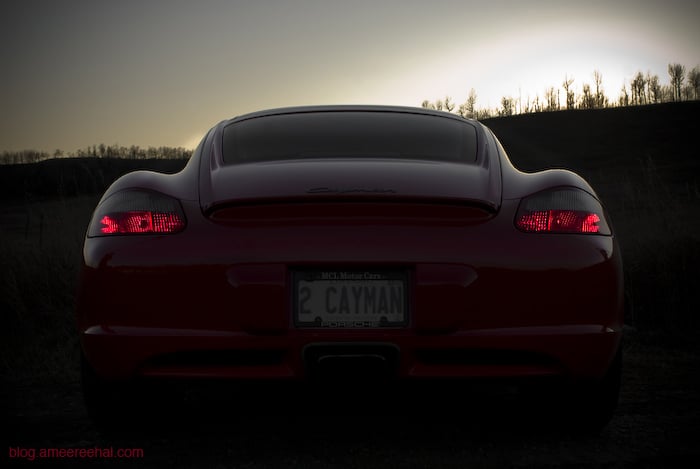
(484, 300)
(571, 352)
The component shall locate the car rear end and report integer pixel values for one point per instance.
(336, 268)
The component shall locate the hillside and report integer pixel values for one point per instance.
(581, 138)
(73, 176)
(614, 149)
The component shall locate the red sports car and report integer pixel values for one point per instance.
(361, 243)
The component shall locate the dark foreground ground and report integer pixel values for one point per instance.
(657, 425)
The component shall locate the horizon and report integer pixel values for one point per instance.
(101, 150)
(129, 75)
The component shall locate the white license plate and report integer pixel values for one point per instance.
(350, 299)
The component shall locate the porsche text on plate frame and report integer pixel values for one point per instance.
(400, 241)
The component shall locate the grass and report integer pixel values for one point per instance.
(644, 164)
(44, 211)
(40, 255)
(661, 249)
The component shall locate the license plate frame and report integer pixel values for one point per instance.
(350, 298)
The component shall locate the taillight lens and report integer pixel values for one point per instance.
(565, 210)
(137, 212)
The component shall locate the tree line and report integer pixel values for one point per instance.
(684, 85)
(133, 152)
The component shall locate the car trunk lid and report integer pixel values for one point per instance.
(383, 181)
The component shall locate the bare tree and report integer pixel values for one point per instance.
(677, 74)
(468, 108)
(551, 98)
(471, 103)
(449, 105)
(507, 106)
(624, 97)
(570, 97)
(654, 88)
(638, 85)
(462, 110)
(536, 107)
(688, 92)
(484, 113)
(587, 98)
(426, 104)
(599, 98)
(694, 81)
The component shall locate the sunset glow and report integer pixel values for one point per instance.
(92, 72)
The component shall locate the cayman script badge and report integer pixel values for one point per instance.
(349, 190)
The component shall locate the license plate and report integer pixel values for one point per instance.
(350, 299)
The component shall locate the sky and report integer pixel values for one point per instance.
(162, 72)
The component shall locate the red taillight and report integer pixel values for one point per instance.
(564, 210)
(137, 212)
(564, 221)
(141, 222)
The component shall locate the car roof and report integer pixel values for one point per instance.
(346, 108)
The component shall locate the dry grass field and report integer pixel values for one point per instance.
(644, 163)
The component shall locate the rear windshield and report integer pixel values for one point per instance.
(349, 134)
